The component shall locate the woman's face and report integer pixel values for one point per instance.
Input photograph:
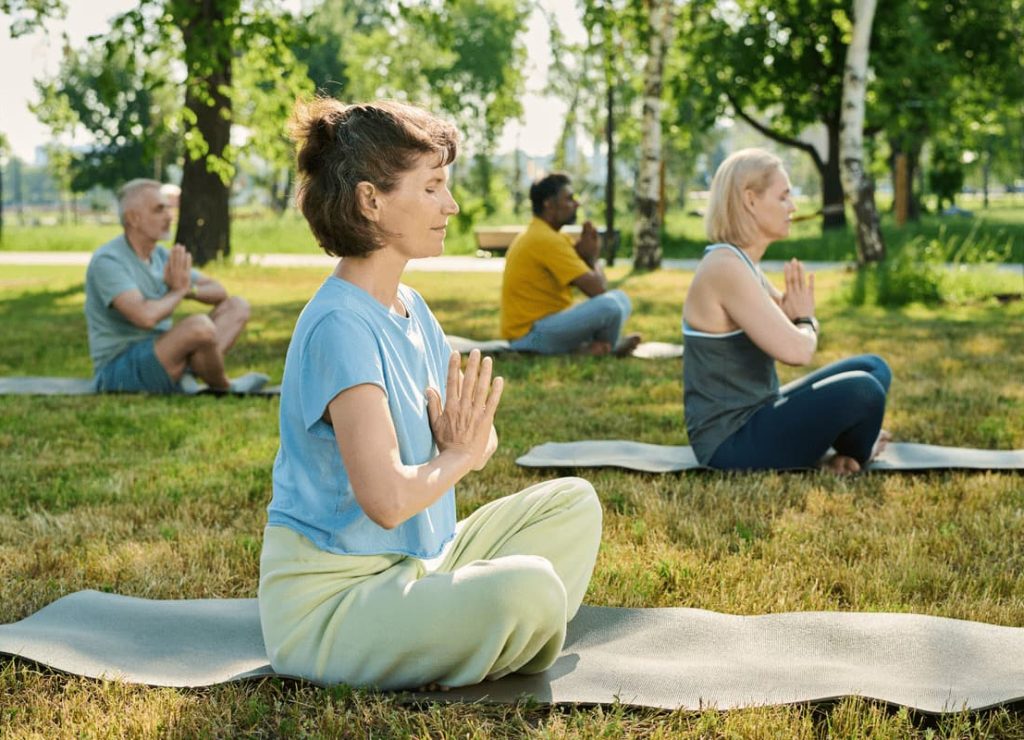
(773, 209)
(414, 215)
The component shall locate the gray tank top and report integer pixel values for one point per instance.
(726, 379)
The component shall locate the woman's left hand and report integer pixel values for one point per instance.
(798, 300)
(466, 422)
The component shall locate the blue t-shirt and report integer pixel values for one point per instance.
(113, 269)
(344, 338)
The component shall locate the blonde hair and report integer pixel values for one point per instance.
(728, 219)
(129, 191)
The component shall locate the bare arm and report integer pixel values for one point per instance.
(209, 291)
(765, 322)
(389, 491)
(146, 314)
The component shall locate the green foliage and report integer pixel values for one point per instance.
(946, 176)
(28, 15)
(464, 56)
(941, 270)
(129, 106)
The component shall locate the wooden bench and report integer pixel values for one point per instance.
(495, 240)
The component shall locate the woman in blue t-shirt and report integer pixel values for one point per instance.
(365, 576)
(737, 325)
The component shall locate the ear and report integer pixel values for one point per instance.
(369, 200)
(749, 198)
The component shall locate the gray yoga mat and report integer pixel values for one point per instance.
(53, 386)
(648, 458)
(667, 658)
(645, 350)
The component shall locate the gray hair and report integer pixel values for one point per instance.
(728, 219)
(130, 191)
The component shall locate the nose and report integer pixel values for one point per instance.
(451, 207)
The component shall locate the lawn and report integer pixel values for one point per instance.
(165, 498)
(1001, 226)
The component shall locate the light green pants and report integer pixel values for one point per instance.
(496, 603)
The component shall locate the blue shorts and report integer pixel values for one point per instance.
(136, 370)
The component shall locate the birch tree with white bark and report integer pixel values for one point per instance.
(857, 182)
(647, 231)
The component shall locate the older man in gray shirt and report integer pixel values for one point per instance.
(132, 287)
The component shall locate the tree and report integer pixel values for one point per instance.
(947, 173)
(647, 231)
(5, 151)
(779, 67)
(28, 15)
(465, 57)
(856, 180)
(613, 38)
(205, 39)
(127, 104)
(937, 66)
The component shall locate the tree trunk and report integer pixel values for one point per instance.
(856, 180)
(609, 177)
(647, 232)
(833, 199)
(204, 225)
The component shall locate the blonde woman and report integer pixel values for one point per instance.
(737, 325)
(365, 577)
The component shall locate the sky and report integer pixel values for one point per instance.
(29, 57)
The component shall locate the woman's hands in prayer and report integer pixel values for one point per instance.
(798, 300)
(466, 422)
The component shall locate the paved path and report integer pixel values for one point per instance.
(462, 263)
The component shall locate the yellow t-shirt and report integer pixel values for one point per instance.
(539, 266)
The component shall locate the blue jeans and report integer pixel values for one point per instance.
(839, 406)
(600, 319)
(136, 370)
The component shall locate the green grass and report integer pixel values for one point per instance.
(166, 497)
(1001, 225)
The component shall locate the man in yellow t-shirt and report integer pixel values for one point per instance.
(542, 266)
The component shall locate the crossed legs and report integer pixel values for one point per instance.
(840, 406)
(201, 341)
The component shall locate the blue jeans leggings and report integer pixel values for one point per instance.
(839, 406)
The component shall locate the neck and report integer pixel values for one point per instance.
(378, 274)
(142, 246)
(755, 250)
(551, 222)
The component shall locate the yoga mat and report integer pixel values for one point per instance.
(667, 658)
(648, 458)
(51, 386)
(645, 350)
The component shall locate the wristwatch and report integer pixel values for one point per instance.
(809, 320)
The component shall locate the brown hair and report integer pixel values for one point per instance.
(340, 146)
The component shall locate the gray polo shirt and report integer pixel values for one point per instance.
(114, 269)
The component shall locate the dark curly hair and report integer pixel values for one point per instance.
(545, 188)
(340, 146)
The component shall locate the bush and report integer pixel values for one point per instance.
(941, 270)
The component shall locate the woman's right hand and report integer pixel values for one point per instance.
(465, 422)
(798, 300)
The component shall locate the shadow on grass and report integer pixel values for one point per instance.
(44, 334)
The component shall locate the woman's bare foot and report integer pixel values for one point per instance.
(884, 438)
(841, 465)
(627, 344)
